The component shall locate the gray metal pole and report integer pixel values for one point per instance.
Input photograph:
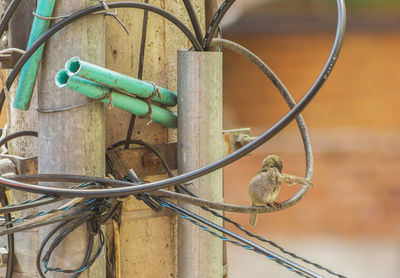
(199, 143)
(72, 142)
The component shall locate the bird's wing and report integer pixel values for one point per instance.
(292, 180)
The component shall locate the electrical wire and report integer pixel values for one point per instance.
(77, 223)
(254, 247)
(216, 20)
(7, 15)
(193, 19)
(15, 135)
(169, 194)
(4, 200)
(43, 223)
(10, 237)
(130, 189)
(140, 67)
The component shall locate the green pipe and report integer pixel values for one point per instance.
(124, 102)
(118, 81)
(29, 71)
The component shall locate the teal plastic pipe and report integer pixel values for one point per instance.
(118, 81)
(29, 71)
(124, 102)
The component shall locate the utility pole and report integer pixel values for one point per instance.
(72, 142)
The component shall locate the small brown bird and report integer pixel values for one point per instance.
(266, 184)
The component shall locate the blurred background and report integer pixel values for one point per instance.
(351, 221)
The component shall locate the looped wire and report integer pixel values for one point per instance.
(113, 14)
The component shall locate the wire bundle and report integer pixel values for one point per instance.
(125, 188)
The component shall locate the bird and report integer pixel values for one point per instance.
(265, 186)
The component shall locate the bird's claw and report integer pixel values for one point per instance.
(275, 205)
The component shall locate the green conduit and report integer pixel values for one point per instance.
(119, 100)
(118, 81)
(29, 71)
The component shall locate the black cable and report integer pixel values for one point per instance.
(11, 245)
(18, 134)
(3, 196)
(215, 22)
(87, 256)
(42, 223)
(130, 189)
(76, 223)
(185, 189)
(7, 15)
(255, 247)
(194, 19)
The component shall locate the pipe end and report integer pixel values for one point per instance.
(62, 78)
(73, 66)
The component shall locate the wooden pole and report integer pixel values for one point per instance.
(148, 240)
(72, 142)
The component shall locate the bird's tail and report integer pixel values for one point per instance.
(253, 219)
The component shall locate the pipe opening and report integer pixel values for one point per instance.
(73, 65)
(62, 78)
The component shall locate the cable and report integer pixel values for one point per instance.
(194, 19)
(140, 68)
(7, 15)
(170, 194)
(44, 200)
(130, 189)
(39, 224)
(255, 247)
(15, 135)
(216, 20)
(76, 223)
(3, 196)
(11, 244)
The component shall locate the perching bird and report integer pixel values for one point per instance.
(266, 184)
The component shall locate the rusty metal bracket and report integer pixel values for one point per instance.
(236, 138)
(143, 161)
(25, 166)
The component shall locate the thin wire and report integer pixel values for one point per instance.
(39, 224)
(140, 68)
(255, 247)
(11, 50)
(45, 213)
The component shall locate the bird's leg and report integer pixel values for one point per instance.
(274, 205)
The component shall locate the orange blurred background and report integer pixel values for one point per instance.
(350, 222)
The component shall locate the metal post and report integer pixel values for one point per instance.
(72, 142)
(199, 143)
